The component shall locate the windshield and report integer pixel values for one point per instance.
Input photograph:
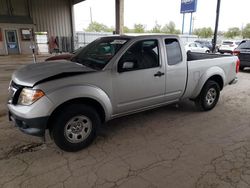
(98, 53)
(244, 44)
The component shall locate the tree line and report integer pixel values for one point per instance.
(207, 32)
(170, 28)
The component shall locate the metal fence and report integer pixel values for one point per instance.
(84, 38)
(188, 38)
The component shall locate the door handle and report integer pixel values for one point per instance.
(159, 74)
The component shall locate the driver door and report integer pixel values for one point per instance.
(139, 80)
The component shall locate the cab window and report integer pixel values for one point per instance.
(141, 55)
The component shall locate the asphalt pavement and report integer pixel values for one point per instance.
(174, 146)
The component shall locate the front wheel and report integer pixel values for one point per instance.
(208, 96)
(75, 127)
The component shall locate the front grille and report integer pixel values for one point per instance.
(14, 92)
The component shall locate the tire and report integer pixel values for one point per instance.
(208, 96)
(242, 68)
(75, 126)
(207, 51)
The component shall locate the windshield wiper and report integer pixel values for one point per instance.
(76, 59)
(87, 62)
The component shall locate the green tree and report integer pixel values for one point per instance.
(98, 27)
(139, 28)
(156, 28)
(126, 29)
(170, 28)
(246, 31)
(232, 32)
(204, 32)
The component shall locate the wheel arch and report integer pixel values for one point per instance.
(218, 79)
(83, 100)
(214, 73)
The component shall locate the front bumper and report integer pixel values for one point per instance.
(33, 126)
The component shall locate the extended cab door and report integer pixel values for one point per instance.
(139, 77)
(176, 75)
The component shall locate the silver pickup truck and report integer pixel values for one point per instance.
(112, 77)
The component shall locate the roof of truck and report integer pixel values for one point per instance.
(135, 35)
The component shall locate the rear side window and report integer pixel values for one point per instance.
(174, 54)
(192, 45)
(245, 44)
(227, 43)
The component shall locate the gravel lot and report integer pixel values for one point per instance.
(174, 146)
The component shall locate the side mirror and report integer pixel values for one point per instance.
(126, 66)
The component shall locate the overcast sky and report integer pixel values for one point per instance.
(233, 13)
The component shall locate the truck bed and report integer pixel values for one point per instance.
(192, 56)
(202, 65)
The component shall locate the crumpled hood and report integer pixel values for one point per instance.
(31, 74)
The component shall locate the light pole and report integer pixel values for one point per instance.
(214, 41)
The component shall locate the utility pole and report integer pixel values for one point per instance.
(90, 11)
(194, 18)
(214, 41)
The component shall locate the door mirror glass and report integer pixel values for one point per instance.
(128, 65)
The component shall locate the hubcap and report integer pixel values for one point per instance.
(211, 96)
(78, 129)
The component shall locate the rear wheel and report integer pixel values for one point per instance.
(209, 96)
(75, 127)
(207, 51)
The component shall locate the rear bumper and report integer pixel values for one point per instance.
(33, 126)
(234, 81)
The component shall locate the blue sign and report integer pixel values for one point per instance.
(188, 6)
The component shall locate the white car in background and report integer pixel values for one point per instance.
(196, 47)
(228, 46)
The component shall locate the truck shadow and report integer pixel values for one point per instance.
(159, 115)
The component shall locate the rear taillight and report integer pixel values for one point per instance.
(236, 52)
(237, 66)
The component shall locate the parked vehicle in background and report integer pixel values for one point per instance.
(113, 77)
(205, 43)
(243, 52)
(196, 47)
(228, 46)
(66, 56)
